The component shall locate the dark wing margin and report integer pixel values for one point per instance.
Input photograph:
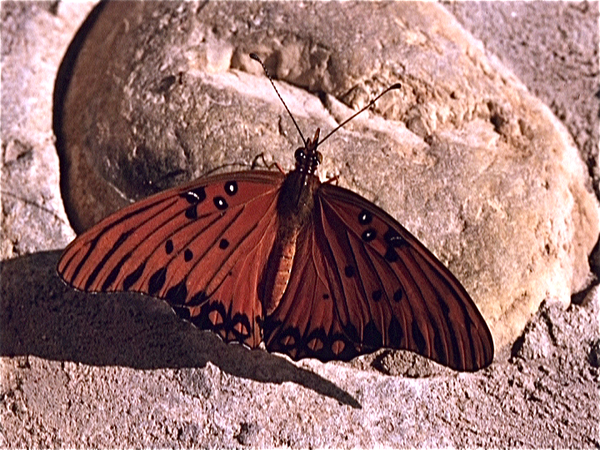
(200, 247)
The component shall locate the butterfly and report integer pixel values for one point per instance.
(311, 269)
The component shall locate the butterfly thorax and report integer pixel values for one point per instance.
(294, 208)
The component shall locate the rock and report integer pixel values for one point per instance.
(464, 156)
(538, 340)
(512, 35)
(116, 370)
(595, 354)
(33, 217)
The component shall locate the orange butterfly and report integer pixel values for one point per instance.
(310, 268)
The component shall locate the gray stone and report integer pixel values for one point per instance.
(33, 217)
(566, 74)
(122, 370)
(462, 154)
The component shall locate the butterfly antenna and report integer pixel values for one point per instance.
(255, 57)
(371, 103)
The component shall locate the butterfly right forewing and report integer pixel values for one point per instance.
(413, 300)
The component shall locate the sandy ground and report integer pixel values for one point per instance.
(542, 391)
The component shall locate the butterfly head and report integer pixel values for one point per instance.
(308, 157)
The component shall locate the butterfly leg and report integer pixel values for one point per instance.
(261, 157)
(332, 180)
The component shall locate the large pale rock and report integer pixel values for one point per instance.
(462, 155)
(33, 217)
(122, 370)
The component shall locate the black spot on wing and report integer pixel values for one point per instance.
(177, 294)
(231, 188)
(371, 336)
(398, 295)
(223, 244)
(419, 339)
(220, 203)
(365, 217)
(131, 279)
(369, 234)
(157, 281)
(351, 332)
(191, 212)
(188, 255)
(349, 271)
(391, 255)
(393, 239)
(195, 196)
(395, 333)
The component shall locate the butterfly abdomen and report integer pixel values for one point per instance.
(280, 264)
(294, 208)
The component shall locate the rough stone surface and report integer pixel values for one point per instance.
(562, 67)
(34, 39)
(122, 370)
(465, 157)
(566, 60)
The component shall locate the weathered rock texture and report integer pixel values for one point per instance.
(33, 216)
(462, 155)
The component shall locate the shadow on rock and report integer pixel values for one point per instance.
(42, 316)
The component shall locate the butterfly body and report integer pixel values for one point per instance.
(310, 268)
(295, 205)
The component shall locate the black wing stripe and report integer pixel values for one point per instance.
(105, 228)
(158, 230)
(263, 224)
(198, 235)
(466, 320)
(359, 279)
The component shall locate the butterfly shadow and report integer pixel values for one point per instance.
(43, 317)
